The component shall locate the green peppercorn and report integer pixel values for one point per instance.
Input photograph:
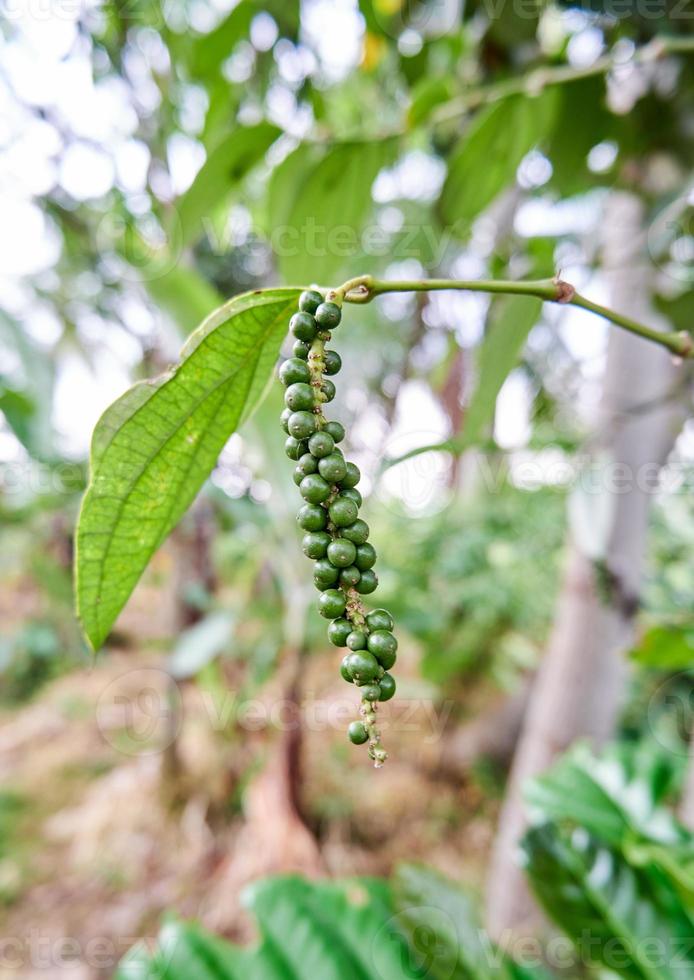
(314, 489)
(284, 419)
(294, 370)
(325, 574)
(332, 361)
(303, 326)
(349, 577)
(357, 640)
(302, 425)
(312, 517)
(344, 670)
(299, 397)
(321, 444)
(332, 604)
(343, 512)
(332, 468)
(335, 429)
(352, 477)
(387, 686)
(328, 315)
(357, 532)
(371, 692)
(357, 733)
(293, 447)
(315, 544)
(368, 582)
(366, 557)
(309, 301)
(381, 643)
(352, 494)
(379, 619)
(328, 389)
(307, 464)
(298, 475)
(338, 631)
(341, 553)
(363, 666)
(301, 349)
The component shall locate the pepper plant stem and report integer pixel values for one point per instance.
(363, 289)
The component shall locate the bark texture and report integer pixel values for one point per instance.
(580, 682)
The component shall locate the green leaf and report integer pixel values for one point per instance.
(666, 648)
(210, 50)
(487, 157)
(226, 165)
(443, 929)
(200, 644)
(616, 797)
(499, 353)
(153, 448)
(331, 202)
(426, 96)
(309, 931)
(618, 917)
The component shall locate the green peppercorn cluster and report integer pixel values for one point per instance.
(336, 538)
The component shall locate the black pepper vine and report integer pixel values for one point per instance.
(336, 538)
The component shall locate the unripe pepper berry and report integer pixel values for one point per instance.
(332, 468)
(387, 686)
(328, 389)
(314, 489)
(357, 733)
(368, 582)
(332, 361)
(284, 419)
(312, 517)
(293, 447)
(310, 300)
(325, 574)
(379, 619)
(357, 532)
(344, 671)
(294, 370)
(335, 429)
(382, 643)
(357, 640)
(341, 553)
(338, 631)
(321, 444)
(328, 315)
(332, 604)
(349, 577)
(299, 397)
(352, 477)
(301, 349)
(371, 692)
(363, 666)
(315, 544)
(343, 512)
(302, 425)
(352, 494)
(303, 326)
(366, 557)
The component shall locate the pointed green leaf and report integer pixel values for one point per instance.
(226, 165)
(627, 920)
(321, 235)
(153, 448)
(487, 157)
(337, 930)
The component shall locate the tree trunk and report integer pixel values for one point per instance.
(582, 676)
